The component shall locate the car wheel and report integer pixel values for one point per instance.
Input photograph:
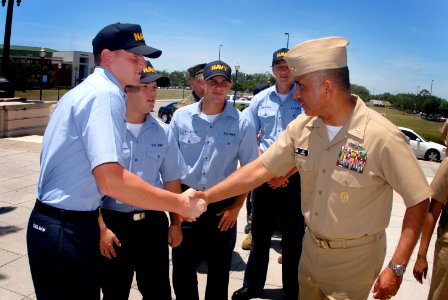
(165, 118)
(432, 155)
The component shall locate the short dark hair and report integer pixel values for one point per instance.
(97, 59)
(340, 76)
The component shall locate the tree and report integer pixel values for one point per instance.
(360, 91)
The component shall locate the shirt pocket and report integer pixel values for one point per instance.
(305, 165)
(267, 119)
(349, 179)
(155, 154)
(189, 139)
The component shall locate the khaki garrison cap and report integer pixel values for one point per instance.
(315, 55)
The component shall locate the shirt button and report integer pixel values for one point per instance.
(323, 171)
(135, 159)
(320, 192)
(316, 214)
(203, 173)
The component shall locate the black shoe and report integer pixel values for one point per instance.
(245, 293)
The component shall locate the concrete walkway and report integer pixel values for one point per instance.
(19, 171)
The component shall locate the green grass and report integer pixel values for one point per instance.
(427, 129)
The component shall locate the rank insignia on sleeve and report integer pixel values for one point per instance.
(352, 160)
(301, 151)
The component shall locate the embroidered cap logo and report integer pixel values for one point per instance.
(138, 36)
(149, 69)
(281, 54)
(219, 67)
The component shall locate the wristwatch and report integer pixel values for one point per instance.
(398, 269)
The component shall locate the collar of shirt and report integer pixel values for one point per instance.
(101, 71)
(355, 125)
(229, 110)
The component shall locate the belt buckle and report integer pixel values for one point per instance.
(321, 242)
(138, 216)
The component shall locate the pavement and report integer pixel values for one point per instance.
(19, 171)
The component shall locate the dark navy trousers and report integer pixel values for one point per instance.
(268, 207)
(203, 239)
(64, 253)
(144, 249)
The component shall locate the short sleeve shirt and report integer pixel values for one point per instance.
(87, 128)
(270, 115)
(212, 150)
(153, 156)
(439, 184)
(347, 184)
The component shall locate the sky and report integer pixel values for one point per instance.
(396, 46)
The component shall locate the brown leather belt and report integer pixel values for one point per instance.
(325, 243)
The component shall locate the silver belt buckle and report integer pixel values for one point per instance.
(321, 242)
(138, 216)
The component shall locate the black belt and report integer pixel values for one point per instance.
(64, 214)
(133, 215)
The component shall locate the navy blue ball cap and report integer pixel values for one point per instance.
(259, 87)
(149, 75)
(279, 55)
(127, 37)
(216, 68)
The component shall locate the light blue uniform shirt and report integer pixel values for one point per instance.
(153, 156)
(268, 113)
(211, 150)
(87, 129)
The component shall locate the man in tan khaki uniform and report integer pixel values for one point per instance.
(350, 160)
(439, 205)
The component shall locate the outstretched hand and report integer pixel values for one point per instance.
(193, 206)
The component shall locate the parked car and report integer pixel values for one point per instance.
(423, 148)
(166, 112)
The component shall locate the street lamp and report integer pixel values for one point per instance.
(59, 71)
(183, 83)
(287, 41)
(42, 53)
(219, 53)
(417, 89)
(431, 86)
(237, 68)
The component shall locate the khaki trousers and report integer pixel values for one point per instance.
(344, 273)
(439, 282)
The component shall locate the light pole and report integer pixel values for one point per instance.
(219, 53)
(59, 71)
(287, 41)
(431, 86)
(237, 68)
(42, 53)
(417, 89)
(183, 83)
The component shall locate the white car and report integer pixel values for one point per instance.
(423, 148)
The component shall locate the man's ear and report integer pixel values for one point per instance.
(328, 87)
(106, 57)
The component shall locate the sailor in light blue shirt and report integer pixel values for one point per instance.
(133, 240)
(153, 155)
(212, 136)
(212, 150)
(271, 112)
(79, 138)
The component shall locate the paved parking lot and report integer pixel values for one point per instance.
(19, 161)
